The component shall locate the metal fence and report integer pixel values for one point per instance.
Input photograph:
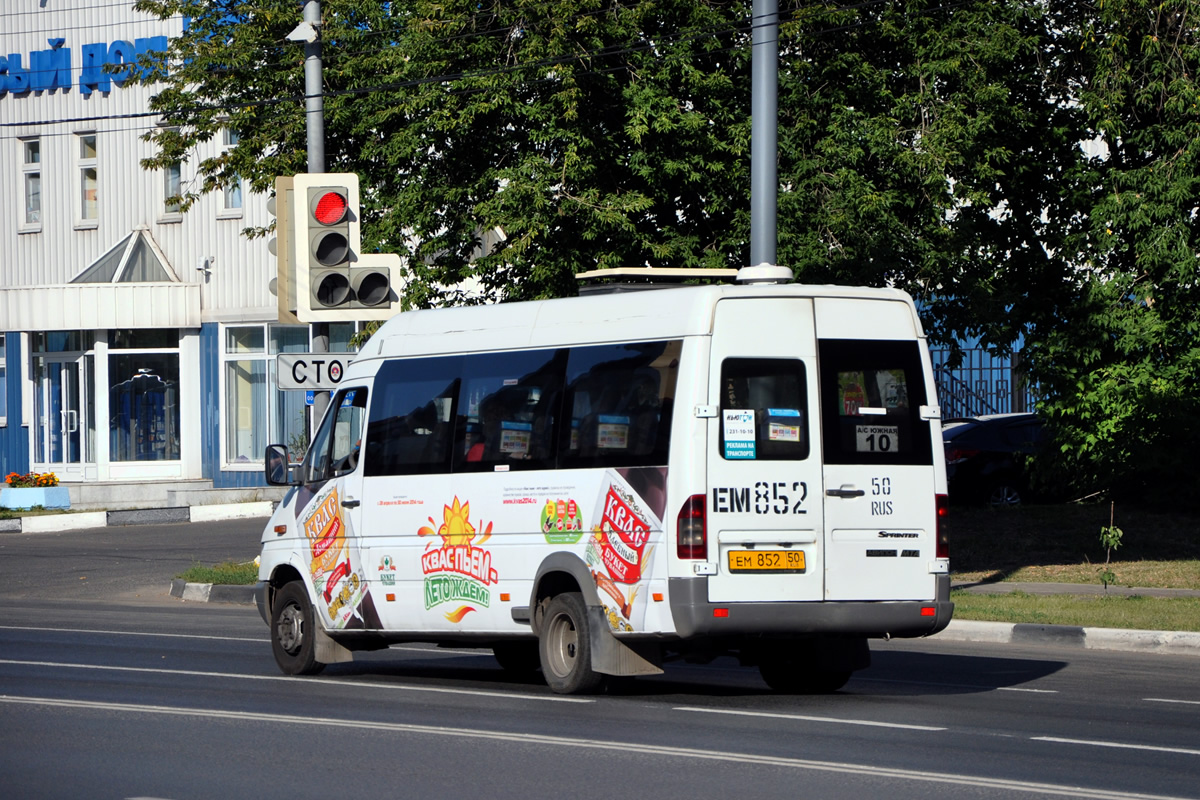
(982, 384)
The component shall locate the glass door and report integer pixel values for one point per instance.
(60, 442)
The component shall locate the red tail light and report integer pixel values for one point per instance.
(957, 454)
(943, 535)
(691, 536)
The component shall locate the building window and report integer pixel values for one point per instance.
(256, 414)
(233, 196)
(143, 398)
(172, 185)
(89, 208)
(232, 191)
(3, 384)
(31, 161)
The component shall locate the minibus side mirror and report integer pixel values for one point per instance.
(278, 471)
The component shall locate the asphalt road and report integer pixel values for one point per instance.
(111, 688)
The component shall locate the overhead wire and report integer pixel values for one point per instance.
(608, 52)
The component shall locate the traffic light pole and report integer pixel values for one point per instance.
(314, 115)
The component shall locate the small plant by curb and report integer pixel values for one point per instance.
(1110, 539)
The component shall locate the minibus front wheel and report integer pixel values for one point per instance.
(565, 647)
(293, 631)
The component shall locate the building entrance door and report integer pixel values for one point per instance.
(62, 440)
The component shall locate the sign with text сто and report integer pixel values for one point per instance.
(310, 370)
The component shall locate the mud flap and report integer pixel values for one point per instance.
(327, 651)
(613, 656)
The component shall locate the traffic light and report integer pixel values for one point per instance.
(334, 282)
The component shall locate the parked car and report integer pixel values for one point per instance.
(986, 457)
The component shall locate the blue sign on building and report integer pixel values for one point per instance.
(50, 69)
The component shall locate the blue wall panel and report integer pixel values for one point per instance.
(14, 439)
(210, 447)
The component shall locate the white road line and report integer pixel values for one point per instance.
(595, 744)
(1120, 745)
(1169, 700)
(263, 639)
(550, 698)
(806, 718)
(132, 633)
(976, 686)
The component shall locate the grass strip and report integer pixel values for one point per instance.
(229, 573)
(1089, 611)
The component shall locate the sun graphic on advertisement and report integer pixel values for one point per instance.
(456, 529)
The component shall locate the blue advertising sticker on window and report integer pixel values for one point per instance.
(739, 437)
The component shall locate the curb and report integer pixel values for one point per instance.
(212, 593)
(53, 523)
(1123, 639)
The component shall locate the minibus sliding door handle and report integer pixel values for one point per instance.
(845, 492)
(350, 504)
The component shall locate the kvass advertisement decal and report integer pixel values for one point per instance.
(619, 551)
(336, 576)
(459, 570)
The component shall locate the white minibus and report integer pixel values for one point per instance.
(594, 486)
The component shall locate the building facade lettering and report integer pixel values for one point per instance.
(51, 69)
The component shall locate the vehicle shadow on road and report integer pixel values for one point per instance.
(892, 673)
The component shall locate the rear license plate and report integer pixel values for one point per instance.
(766, 561)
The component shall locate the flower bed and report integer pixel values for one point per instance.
(33, 490)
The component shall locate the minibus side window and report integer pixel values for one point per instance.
(764, 410)
(508, 407)
(871, 394)
(336, 447)
(412, 416)
(618, 403)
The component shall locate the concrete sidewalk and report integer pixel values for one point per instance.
(72, 521)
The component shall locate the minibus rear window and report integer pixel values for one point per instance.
(871, 394)
(764, 410)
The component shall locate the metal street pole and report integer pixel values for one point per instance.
(764, 131)
(314, 116)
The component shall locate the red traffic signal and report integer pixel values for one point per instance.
(329, 208)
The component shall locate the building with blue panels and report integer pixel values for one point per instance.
(137, 343)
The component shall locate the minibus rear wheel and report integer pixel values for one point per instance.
(292, 631)
(565, 647)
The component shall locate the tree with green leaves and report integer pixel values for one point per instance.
(927, 145)
(1120, 368)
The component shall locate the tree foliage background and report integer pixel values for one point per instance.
(1026, 169)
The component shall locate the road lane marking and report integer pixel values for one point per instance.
(550, 698)
(622, 747)
(1169, 700)
(133, 633)
(807, 718)
(976, 686)
(410, 648)
(1120, 745)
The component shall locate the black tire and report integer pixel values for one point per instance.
(786, 676)
(292, 631)
(520, 658)
(566, 649)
